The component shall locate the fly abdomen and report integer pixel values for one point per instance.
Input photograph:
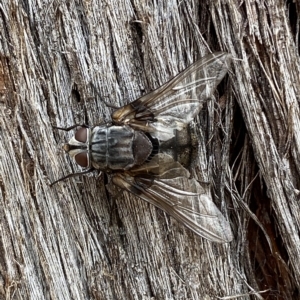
(183, 147)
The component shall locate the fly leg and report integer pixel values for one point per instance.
(104, 101)
(71, 127)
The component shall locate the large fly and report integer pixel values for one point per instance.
(148, 146)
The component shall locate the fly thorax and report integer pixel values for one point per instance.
(118, 147)
(142, 147)
(98, 147)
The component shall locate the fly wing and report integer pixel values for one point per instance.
(160, 183)
(177, 102)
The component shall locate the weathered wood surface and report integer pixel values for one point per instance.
(70, 241)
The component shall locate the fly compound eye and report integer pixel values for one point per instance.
(82, 159)
(81, 135)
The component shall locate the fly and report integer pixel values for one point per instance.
(148, 147)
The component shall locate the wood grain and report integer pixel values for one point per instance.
(60, 61)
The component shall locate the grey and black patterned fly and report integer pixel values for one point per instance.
(147, 148)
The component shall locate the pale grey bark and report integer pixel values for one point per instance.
(70, 241)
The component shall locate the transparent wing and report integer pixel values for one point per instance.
(175, 104)
(160, 183)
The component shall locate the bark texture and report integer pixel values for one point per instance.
(60, 61)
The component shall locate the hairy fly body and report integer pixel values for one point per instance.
(148, 147)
